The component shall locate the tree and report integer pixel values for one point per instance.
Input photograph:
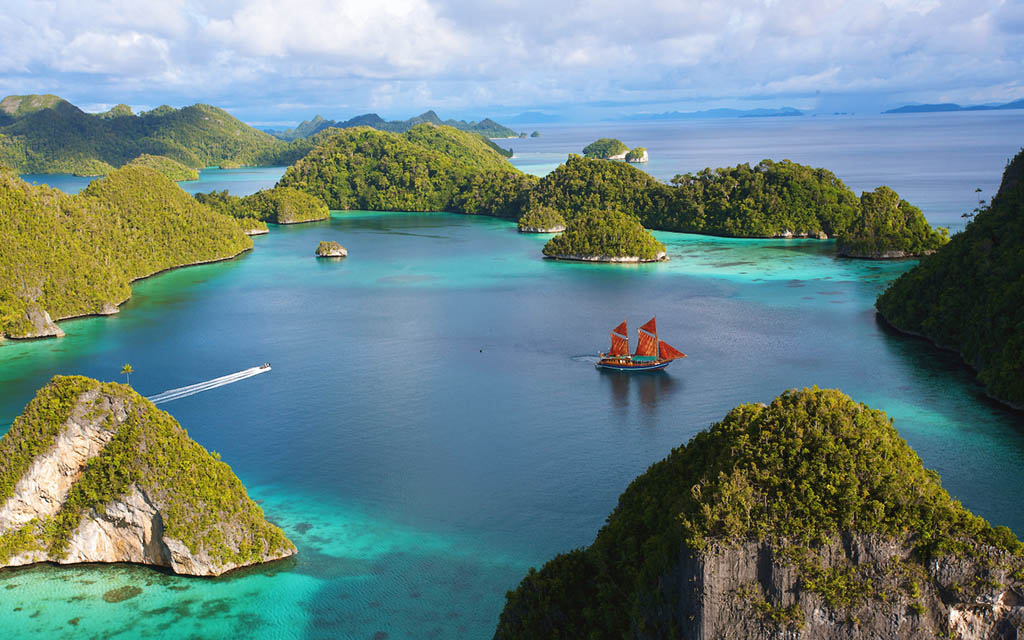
(127, 371)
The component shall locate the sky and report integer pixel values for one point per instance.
(281, 62)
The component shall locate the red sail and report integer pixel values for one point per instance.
(668, 352)
(645, 345)
(621, 329)
(650, 327)
(620, 346)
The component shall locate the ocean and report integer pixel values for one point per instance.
(433, 424)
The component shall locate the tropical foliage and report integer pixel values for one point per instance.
(604, 148)
(427, 168)
(541, 217)
(486, 127)
(168, 167)
(605, 234)
(968, 296)
(280, 205)
(201, 501)
(888, 226)
(44, 134)
(636, 154)
(798, 472)
(76, 255)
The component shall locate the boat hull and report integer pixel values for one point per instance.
(651, 366)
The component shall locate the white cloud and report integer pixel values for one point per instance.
(408, 54)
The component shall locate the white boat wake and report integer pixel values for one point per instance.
(199, 387)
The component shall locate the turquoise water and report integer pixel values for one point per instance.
(240, 182)
(433, 424)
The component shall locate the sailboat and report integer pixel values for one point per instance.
(651, 353)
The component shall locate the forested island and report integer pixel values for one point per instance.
(486, 127)
(606, 149)
(73, 255)
(93, 472)
(605, 236)
(280, 205)
(808, 517)
(541, 219)
(46, 134)
(169, 168)
(969, 296)
(432, 168)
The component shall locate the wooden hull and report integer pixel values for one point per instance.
(616, 365)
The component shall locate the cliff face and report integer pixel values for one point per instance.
(805, 519)
(93, 472)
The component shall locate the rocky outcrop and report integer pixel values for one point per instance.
(661, 256)
(114, 479)
(528, 229)
(636, 156)
(806, 519)
(42, 326)
(786, 233)
(331, 249)
(847, 251)
(256, 232)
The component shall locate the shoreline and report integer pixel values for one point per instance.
(661, 257)
(920, 336)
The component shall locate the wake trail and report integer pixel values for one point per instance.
(199, 387)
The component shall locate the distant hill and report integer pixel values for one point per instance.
(533, 117)
(486, 127)
(951, 106)
(47, 134)
(716, 113)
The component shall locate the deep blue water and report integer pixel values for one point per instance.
(433, 424)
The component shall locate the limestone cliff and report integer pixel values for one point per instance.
(807, 518)
(93, 472)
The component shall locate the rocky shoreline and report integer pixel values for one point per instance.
(660, 257)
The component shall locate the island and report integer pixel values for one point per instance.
(605, 236)
(606, 149)
(540, 219)
(535, 134)
(889, 227)
(637, 155)
(486, 127)
(968, 296)
(808, 517)
(76, 255)
(167, 166)
(93, 472)
(331, 249)
(280, 205)
(46, 134)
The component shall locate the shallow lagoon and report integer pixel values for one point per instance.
(433, 424)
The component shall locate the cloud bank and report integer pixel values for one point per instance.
(266, 59)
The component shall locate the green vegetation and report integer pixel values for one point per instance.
(795, 474)
(636, 154)
(541, 217)
(280, 205)
(535, 134)
(605, 234)
(968, 295)
(201, 501)
(330, 248)
(76, 255)
(888, 226)
(486, 127)
(604, 148)
(173, 169)
(44, 134)
(427, 168)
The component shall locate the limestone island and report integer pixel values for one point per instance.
(967, 297)
(606, 149)
(331, 249)
(93, 472)
(889, 227)
(637, 155)
(809, 518)
(540, 219)
(605, 236)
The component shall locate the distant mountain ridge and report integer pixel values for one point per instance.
(952, 106)
(716, 113)
(47, 134)
(486, 127)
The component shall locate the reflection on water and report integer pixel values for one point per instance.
(647, 387)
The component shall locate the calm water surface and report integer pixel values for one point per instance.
(433, 424)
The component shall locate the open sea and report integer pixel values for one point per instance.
(433, 424)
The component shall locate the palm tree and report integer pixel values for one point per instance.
(127, 371)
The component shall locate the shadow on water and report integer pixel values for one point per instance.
(649, 387)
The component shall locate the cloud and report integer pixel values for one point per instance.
(265, 57)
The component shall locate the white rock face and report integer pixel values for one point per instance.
(127, 529)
